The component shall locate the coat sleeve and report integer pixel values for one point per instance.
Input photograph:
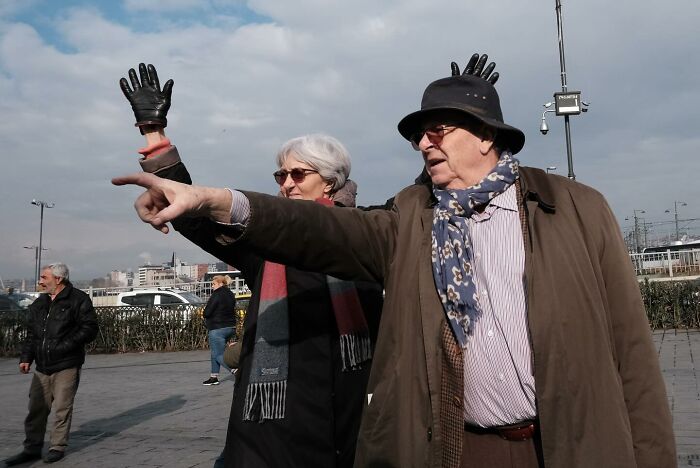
(200, 231)
(638, 363)
(212, 304)
(348, 243)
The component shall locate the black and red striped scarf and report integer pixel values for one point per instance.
(267, 388)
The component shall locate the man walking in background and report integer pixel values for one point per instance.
(61, 322)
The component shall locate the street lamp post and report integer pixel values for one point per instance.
(636, 229)
(36, 262)
(675, 214)
(566, 102)
(41, 204)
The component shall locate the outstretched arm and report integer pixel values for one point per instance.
(343, 242)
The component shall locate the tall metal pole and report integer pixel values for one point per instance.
(636, 230)
(675, 214)
(562, 64)
(41, 236)
(41, 204)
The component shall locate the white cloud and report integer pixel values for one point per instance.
(162, 5)
(351, 69)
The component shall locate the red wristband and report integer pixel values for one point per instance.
(155, 149)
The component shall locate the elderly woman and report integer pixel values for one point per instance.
(220, 320)
(308, 337)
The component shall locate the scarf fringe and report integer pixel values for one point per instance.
(265, 400)
(355, 349)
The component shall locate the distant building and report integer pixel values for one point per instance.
(121, 279)
(146, 274)
(202, 269)
(219, 266)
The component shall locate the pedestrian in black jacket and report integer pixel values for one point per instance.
(61, 323)
(220, 319)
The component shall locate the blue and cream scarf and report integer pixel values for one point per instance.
(452, 254)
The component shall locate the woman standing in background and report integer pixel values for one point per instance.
(220, 319)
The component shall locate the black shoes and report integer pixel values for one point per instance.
(22, 457)
(53, 456)
(211, 381)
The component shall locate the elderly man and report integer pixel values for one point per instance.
(513, 332)
(61, 322)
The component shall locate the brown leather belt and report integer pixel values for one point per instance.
(523, 430)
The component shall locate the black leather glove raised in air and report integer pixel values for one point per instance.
(475, 67)
(149, 103)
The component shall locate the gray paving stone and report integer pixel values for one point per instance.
(150, 410)
(142, 409)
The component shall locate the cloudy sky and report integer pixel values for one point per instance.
(251, 74)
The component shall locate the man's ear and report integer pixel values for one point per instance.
(328, 189)
(488, 139)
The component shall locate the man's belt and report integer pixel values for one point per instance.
(523, 430)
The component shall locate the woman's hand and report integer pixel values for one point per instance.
(165, 200)
(149, 103)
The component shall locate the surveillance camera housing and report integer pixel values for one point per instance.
(544, 131)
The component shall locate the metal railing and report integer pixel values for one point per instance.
(668, 263)
(171, 327)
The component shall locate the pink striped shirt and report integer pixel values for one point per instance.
(499, 386)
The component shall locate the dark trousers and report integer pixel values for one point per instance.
(491, 451)
(46, 391)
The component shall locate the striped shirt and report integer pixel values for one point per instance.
(499, 386)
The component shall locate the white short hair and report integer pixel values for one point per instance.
(59, 270)
(323, 153)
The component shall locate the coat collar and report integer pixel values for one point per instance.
(536, 187)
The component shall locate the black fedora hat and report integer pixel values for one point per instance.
(467, 94)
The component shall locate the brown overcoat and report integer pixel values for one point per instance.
(600, 396)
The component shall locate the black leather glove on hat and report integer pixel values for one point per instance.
(475, 67)
(149, 103)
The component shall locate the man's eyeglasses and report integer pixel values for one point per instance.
(298, 175)
(434, 134)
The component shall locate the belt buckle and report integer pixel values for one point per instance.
(518, 433)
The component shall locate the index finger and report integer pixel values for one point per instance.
(142, 179)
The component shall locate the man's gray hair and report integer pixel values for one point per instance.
(322, 152)
(58, 269)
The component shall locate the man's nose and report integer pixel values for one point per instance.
(425, 143)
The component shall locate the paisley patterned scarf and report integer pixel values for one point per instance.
(452, 254)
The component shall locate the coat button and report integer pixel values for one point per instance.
(457, 400)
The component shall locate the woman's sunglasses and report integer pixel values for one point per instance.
(298, 175)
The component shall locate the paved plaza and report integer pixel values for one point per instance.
(151, 410)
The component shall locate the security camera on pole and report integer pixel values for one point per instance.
(566, 102)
